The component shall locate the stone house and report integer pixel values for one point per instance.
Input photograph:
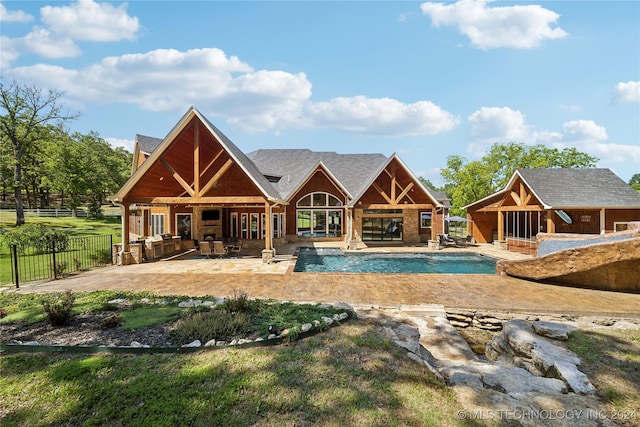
(197, 184)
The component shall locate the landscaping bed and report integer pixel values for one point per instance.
(126, 319)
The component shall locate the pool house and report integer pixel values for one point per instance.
(196, 184)
(553, 200)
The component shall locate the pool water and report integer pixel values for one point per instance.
(330, 260)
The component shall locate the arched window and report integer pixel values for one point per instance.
(317, 215)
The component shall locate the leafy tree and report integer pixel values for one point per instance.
(428, 183)
(86, 168)
(467, 182)
(635, 182)
(25, 109)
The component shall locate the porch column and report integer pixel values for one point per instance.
(500, 226)
(268, 252)
(349, 218)
(434, 235)
(267, 232)
(603, 227)
(551, 226)
(125, 227)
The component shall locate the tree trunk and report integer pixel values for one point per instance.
(17, 179)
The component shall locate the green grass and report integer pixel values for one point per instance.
(143, 317)
(611, 360)
(75, 227)
(331, 379)
(346, 375)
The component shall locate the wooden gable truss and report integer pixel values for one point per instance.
(193, 167)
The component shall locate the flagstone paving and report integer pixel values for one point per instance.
(198, 276)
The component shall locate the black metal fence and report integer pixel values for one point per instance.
(31, 263)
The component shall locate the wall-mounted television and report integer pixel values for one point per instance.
(211, 215)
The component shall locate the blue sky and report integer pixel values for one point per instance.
(421, 79)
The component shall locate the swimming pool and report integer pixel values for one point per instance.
(333, 260)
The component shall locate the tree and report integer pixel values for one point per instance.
(85, 168)
(25, 109)
(467, 182)
(635, 182)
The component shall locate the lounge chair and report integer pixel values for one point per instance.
(205, 249)
(218, 249)
(444, 241)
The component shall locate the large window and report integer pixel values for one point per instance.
(381, 228)
(425, 219)
(317, 216)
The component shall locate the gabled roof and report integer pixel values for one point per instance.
(352, 171)
(147, 144)
(234, 152)
(376, 173)
(564, 188)
(577, 188)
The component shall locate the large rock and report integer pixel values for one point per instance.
(519, 344)
(508, 379)
(551, 330)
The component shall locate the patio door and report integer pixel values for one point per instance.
(183, 223)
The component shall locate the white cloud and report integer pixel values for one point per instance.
(522, 26)
(127, 144)
(84, 20)
(381, 116)
(8, 52)
(221, 86)
(16, 16)
(42, 42)
(591, 138)
(502, 125)
(491, 123)
(88, 20)
(628, 92)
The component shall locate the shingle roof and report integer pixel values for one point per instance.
(576, 188)
(147, 143)
(244, 161)
(353, 171)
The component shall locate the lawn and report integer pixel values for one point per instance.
(347, 375)
(74, 227)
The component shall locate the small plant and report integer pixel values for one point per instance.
(102, 256)
(77, 264)
(215, 324)
(59, 307)
(239, 303)
(112, 321)
(59, 268)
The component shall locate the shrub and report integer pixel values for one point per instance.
(59, 268)
(214, 324)
(102, 256)
(42, 238)
(239, 303)
(112, 321)
(59, 307)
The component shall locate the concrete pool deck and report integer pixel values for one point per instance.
(195, 275)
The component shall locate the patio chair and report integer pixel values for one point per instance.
(235, 246)
(205, 249)
(444, 242)
(218, 249)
